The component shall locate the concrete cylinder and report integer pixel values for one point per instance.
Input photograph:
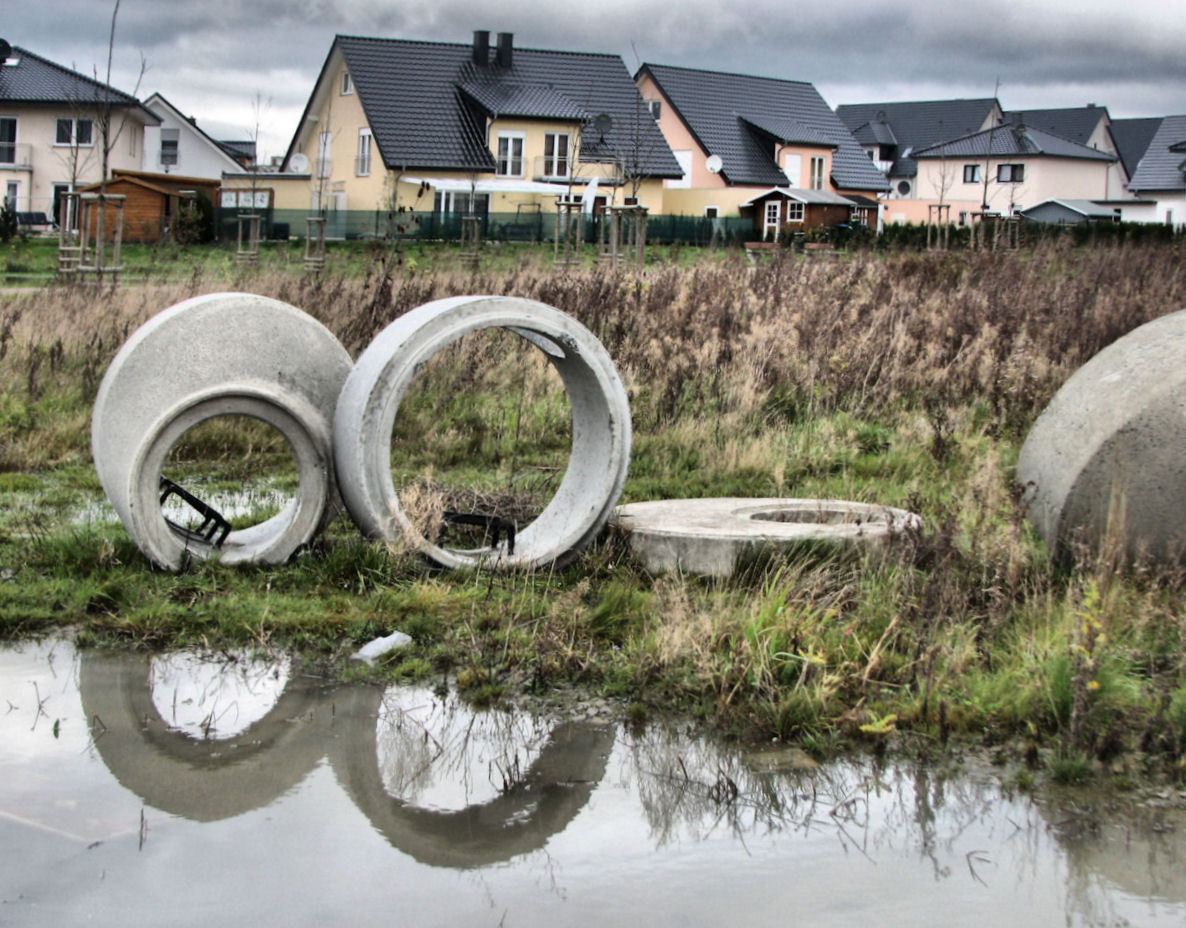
(601, 429)
(217, 355)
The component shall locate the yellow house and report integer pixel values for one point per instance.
(400, 133)
(738, 136)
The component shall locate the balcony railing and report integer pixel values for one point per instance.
(16, 156)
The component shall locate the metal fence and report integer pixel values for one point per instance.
(281, 224)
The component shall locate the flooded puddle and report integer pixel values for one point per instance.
(181, 790)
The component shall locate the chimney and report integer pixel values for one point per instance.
(506, 42)
(481, 47)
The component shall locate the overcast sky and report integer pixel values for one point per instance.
(214, 59)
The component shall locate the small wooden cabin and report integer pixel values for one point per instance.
(152, 202)
(795, 209)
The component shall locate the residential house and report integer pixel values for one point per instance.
(756, 146)
(1008, 168)
(1088, 125)
(488, 129)
(178, 145)
(1160, 177)
(890, 134)
(52, 122)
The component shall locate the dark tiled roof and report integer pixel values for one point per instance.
(735, 116)
(790, 131)
(1013, 141)
(36, 80)
(1132, 138)
(1162, 168)
(421, 117)
(533, 101)
(915, 124)
(1075, 123)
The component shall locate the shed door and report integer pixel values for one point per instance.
(770, 224)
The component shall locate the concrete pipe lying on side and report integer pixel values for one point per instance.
(1104, 465)
(219, 355)
(716, 536)
(601, 430)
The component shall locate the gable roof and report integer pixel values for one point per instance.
(1075, 123)
(1132, 138)
(1013, 141)
(803, 195)
(220, 148)
(735, 116)
(427, 102)
(26, 78)
(1163, 167)
(1087, 208)
(913, 125)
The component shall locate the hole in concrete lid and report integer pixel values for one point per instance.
(818, 515)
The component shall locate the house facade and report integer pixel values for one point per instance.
(411, 128)
(52, 124)
(1090, 126)
(1008, 168)
(177, 145)
(1160, 177)
(738, 137)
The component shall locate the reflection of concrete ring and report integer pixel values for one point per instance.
(1103, 463)
(600, 426)
(200, 780)
(217, 355)
(554, 789)
(712, 536)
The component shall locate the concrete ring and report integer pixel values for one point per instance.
(715, 536)
(601, 430)
(218, 355)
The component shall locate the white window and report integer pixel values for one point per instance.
(170, 139)
(792, 167)
(7, 140)
(556, 147)
(794, 211)
(12, 195)
(323, 162)
(684, 157)
(461, 203)
(817, 173)
(971, 173)
(362, 163)
(78, 132)
(655, 108)
(1010, 173)
(347, 83)
(510, 155)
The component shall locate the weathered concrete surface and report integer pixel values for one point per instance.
(601, 429)
(716, 536)
(218, 355)
(1104, 466)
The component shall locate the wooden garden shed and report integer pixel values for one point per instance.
(152, 202)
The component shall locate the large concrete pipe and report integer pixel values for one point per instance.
(381, 378)
(1103, 467)
(221, 354)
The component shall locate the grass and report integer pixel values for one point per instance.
(903, 379)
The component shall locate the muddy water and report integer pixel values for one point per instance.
(189, 791)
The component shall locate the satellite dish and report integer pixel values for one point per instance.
(5, 50)
(603, 124)
(298, 163)
(714, 164)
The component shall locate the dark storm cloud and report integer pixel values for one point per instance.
(207, 55)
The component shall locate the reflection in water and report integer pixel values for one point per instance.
(215, 698)
(305, 792)
(533, 800)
